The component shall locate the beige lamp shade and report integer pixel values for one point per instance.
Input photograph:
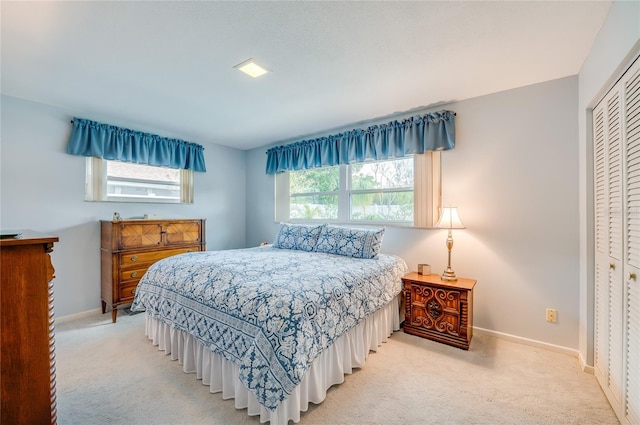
(449, 219)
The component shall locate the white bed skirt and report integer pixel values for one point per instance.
(347, 352)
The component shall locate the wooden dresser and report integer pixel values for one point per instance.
(439, 310)
(129, 247)
(28, 362)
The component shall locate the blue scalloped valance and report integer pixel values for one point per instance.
(415, 135)
(91, 138)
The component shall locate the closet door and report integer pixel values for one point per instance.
(609, 247)
(601, 236)
(631, 306)
(616, 135)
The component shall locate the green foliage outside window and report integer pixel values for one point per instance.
(315, 180)
(380, 202)
(379, 191)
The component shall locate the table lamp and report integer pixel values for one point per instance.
(449, 219)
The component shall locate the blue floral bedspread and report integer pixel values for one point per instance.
(271, 311)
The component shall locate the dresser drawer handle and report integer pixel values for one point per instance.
(134, 274)
(133, 291)
(632, 276)
(134, 258)
(612, 266)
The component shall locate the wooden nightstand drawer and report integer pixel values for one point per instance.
(439, 310)
(435, 309)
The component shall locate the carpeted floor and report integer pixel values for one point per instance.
(111, 373)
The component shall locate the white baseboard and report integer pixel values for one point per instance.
(584, 366)
(80, 315)
(527, 341)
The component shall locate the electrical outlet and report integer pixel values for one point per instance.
(552, 315)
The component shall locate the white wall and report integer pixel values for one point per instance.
(42, 188)
(610, 53)
(514, 178)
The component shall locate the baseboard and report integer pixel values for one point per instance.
(527, 341)
(584, 366)
(80, 315)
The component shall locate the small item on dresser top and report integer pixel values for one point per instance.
(116, 217)
(152, 217)
(424, 269)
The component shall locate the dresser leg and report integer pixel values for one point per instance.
(104, 307)
(114, 315)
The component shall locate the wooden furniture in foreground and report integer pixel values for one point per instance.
(129, 247)
(439, 310)
(27, 330)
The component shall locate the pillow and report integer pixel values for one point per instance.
(350, 242)
(297, 236)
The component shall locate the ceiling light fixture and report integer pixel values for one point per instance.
(251, 68)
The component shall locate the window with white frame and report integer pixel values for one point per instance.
(404, 191)
(117, 181)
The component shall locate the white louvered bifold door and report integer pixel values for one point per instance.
(601, 201)
(616, 289)
(608, 185)
(631, 306)
(616, 142)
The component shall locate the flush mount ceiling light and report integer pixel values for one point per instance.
(251, 68)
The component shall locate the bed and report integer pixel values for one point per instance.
(275, 326)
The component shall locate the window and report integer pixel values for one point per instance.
(381, 191)
(314, 194)
(403, 191)
(116, 181)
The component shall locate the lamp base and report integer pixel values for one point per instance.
(449, 274)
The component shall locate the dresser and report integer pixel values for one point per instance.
(28, 382)
(439, 310)
(129, 247)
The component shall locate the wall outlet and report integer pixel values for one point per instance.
(552, 315)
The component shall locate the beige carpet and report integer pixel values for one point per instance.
(111, 374)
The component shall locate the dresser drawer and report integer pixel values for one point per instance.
(183, 233)
(133, 273)
(150, 257)
(127, 290)
(140, 235)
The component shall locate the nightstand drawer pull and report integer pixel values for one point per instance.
(133, 290)
(134, 274)
(134, 258)
(612, 266)
(632, 276)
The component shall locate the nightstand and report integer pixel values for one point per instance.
(438, 309)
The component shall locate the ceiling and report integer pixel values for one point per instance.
(167, 67)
